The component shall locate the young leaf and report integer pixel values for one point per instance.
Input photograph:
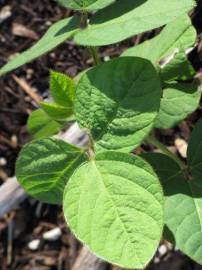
(178, 101)
(183, 206)
(56, 34)
(179, 68)
(127, 18)
(40, 125)
(118, 102)
(195, 151)
(167, 41)
(62, 89)
(89, 5)
(44, 167)
(114, 205)
(56, 111)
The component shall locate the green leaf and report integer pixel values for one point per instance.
(62, 89)
(195, 151)
(179, 68)
(124, 19)
(56, 34)
(85, 4)
(44, 167)
(178, 101)
(56, 111)
(40, 125)
(118, 102)
(167, 41)
(183, 207)
(114, 205)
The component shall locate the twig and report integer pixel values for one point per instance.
(27, 88)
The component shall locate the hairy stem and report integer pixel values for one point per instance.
(94, 53)
(93, 50)
(151, 139)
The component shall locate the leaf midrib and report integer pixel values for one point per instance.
(115, 208)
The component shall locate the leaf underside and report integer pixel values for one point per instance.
(114, 205)
(127, 18)
(56, 34)
(167, 41)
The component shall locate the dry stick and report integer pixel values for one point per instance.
(27, 89)
(11, 193)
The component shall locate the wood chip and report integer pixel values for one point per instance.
(22, 31)
(5, 13)
(181, 146)
(27, 88)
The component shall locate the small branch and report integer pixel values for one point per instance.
(165, 150)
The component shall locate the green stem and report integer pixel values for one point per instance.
(94, 52)
(165, 150)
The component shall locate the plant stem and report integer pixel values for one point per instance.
(94, 52)
(151, 139)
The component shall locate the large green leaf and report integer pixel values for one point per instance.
(178, 101)
(85, 4)
(56, 34)
(44, 167)
(178, 34)
(62, 89)
(117, 102)
(114, 205)
(127, 18)
(195, 150)
(40, 125)
(183, 207)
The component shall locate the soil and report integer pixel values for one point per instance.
(31, 218)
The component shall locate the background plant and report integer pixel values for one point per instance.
(113, 201)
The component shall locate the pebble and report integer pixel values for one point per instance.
(53, 234)
(3, 161)
(162, 250)
(181, 146)
(34, 244)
